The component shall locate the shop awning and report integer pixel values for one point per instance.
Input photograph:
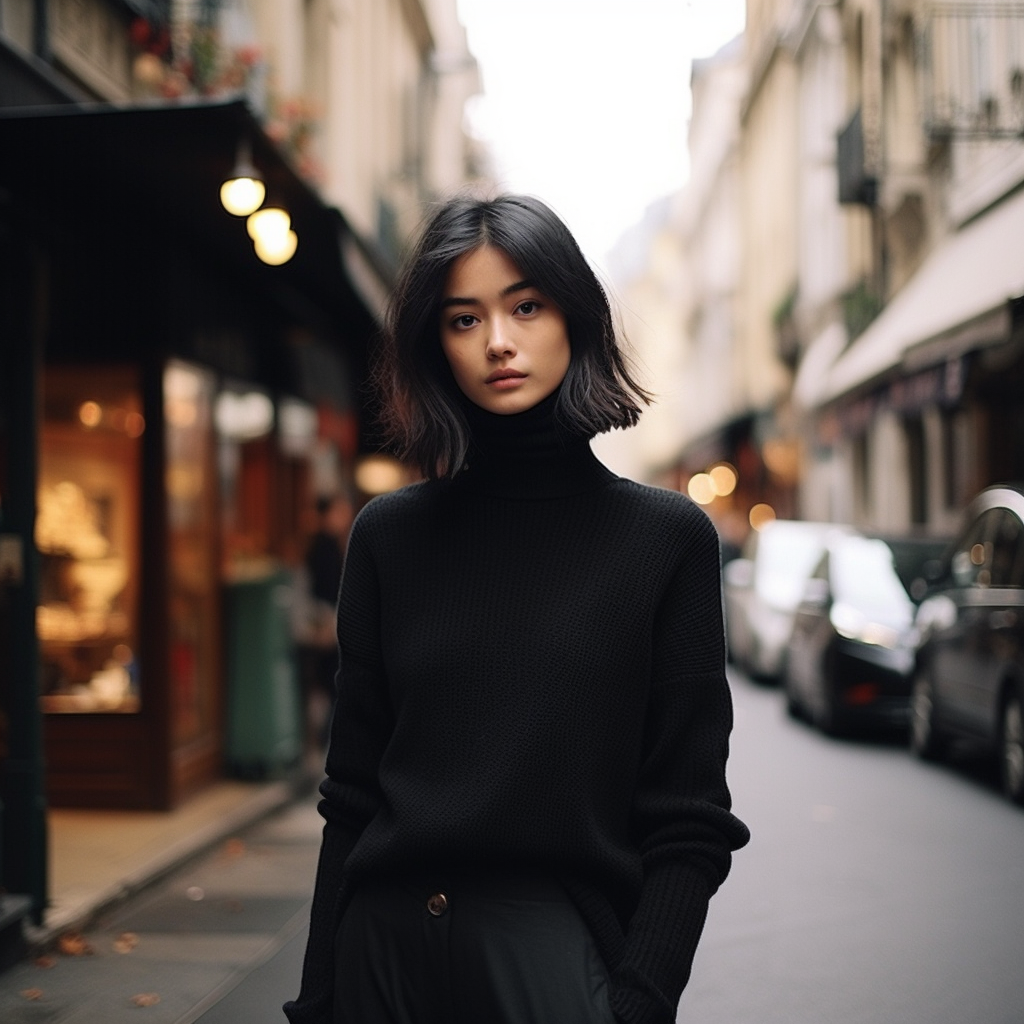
(961, 294)
(812, 375)
(162, 165)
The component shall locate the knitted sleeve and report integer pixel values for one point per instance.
(681, 812)
(360, 729)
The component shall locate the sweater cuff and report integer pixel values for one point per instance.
(660, 945)
(634, 1003)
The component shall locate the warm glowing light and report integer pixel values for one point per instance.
(244, 417)
(701, 489)
(782, 457)
(241, 196)
(90, 414)
(182, 395)
(269, 224)
(723, 479)
(277, 250)
(761, 514)
(378, 474)
(134, 424)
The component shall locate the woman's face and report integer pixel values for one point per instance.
(506, 342)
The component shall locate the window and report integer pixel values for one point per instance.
(1007, 550)
(991, 553)
(87, 533)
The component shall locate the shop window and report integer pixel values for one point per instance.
(87, 533)
(917, 469)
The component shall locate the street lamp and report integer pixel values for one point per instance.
(244, 191)
(273, 239)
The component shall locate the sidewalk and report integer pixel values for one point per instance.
(209, 936)
(101, 858)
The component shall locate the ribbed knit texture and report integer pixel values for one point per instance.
(532, 675)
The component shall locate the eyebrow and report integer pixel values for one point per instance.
(456, 300)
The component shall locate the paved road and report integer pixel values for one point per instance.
(876, 890)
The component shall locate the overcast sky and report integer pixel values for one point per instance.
(586, 102)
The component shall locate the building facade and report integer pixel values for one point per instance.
(918, 406)
(176, 388)
(873, 361)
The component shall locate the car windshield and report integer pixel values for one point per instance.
(786, 556)
(863, 577)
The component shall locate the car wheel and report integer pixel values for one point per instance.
(794, 708)
(828, 717)
(1011, 745)
(925, 738)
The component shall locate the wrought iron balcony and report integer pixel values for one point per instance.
(972, 56)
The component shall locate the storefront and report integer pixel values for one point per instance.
(177, 405)
(923, 409)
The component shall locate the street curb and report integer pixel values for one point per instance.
(273, 797)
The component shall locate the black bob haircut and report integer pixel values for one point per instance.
(422, 412)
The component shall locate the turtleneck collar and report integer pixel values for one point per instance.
(528, 455)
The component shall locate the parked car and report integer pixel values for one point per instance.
(851, 655)
(763, 588)
(917, 559)
(969, 674)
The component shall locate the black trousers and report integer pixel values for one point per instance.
(480, 949)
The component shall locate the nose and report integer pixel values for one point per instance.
(500, 343)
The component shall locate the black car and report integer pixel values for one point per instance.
(851, 654)
(969, 675)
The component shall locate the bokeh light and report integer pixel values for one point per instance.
(761, 514)
(701, 489)
(723, 478)
(90, 414)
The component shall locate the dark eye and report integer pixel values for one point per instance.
(528, 307)
(464, 320)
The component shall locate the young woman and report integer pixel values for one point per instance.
(525, 803)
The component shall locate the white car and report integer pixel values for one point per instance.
(764, 587)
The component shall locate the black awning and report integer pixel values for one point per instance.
(162, 165)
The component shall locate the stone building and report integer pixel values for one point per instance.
(178, 382)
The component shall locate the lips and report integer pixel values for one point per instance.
(500, 375)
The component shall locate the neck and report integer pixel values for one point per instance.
(529, 455)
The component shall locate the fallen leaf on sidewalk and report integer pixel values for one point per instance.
(45, 962)
(74, 944)
(146, 999)
(234, 848)
(32, 993)
(126, 942)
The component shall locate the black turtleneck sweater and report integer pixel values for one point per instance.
(533, 675)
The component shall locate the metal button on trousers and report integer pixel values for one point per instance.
(501, 949)
(437, 904)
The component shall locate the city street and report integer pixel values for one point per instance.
(876, 889)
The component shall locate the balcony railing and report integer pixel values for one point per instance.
(157, 12)
(973, 69)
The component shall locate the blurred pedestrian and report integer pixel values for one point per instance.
(317, 630)
(526, 806)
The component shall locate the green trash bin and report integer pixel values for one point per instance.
(264, 720)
